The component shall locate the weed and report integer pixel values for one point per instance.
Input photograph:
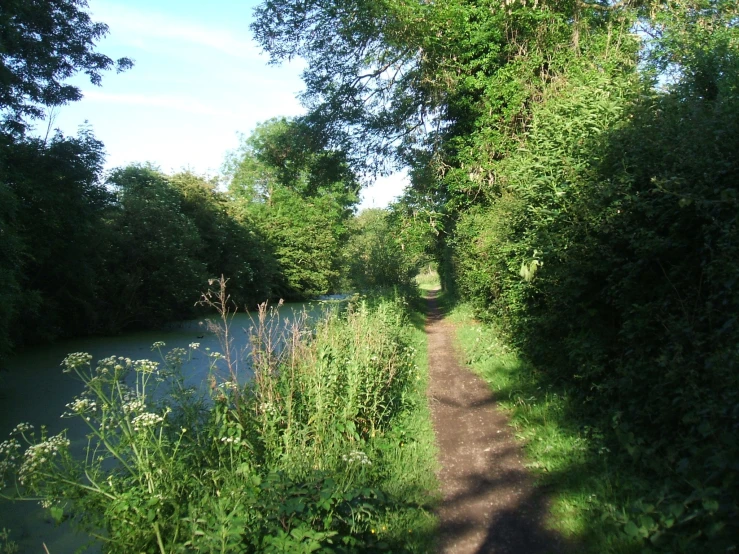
(328, 447)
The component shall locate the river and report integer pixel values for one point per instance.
(33, 389)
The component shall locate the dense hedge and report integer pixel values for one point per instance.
(610, 259)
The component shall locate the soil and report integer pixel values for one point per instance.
(490, 503)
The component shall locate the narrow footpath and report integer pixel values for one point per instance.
(490, 504)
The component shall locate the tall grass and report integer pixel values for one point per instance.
(328, 448)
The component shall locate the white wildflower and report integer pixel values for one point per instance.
(21, 428)
(147, 419)
(145, 366)
(194, 345)
(358, 457)
(131, 406)
(75, 361)
(37, 455)
(81, 405)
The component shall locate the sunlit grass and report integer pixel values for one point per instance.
(428, 280)
(565, 454)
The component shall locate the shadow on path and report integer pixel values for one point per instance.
(490, 503)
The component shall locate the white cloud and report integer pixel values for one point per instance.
(171, 102)
(141, 28)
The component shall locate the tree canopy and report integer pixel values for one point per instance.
(42, 44)
(577, 164)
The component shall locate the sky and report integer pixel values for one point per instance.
(198, 83)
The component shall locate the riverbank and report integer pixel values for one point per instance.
(329, 445)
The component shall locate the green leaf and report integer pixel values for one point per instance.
(710, 505)
(57, 513)
(631, 529)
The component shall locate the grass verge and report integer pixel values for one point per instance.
(592, 491)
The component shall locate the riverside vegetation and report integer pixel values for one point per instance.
(576, 162)
(573, 168)
(328, 448)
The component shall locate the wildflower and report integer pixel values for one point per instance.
(75, 361)
(157, 345)
(79, 406)
(8, 446)
(176, 356)
(357, 456)
(147, 419)
(21, 428)
(194, 345)
(145, 366)
(268, 408)
(133, 406)
(39, 454)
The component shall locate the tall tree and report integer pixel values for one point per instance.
(300, 192)
(59, 205)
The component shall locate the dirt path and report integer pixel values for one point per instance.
(490, 504)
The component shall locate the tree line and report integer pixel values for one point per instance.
(577, 163)
(84, 250)
(90, 252)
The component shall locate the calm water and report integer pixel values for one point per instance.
(33, 389)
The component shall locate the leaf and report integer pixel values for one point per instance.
(57, 513)
(711, 505)
(631, 529)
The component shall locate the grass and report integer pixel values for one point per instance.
(590, 490)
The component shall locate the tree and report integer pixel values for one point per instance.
(374, 255)
(230, 246)
(155, 271)
(288, 153)
(300, 193)
(56, 210)
(44, 43)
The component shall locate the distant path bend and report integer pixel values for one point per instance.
(490, 504)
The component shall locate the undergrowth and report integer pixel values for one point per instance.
(328, 448)
(602, 497)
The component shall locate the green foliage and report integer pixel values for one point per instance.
(286, 152)
(299, 193)
(55, 209)
(375, 257)
(229, 246)
(313, 454)
(10, 256)
(306, 236)
(45, 42)
(598, 256)
(159, 246)
(582, 181)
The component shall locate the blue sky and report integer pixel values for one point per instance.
(198, 81)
